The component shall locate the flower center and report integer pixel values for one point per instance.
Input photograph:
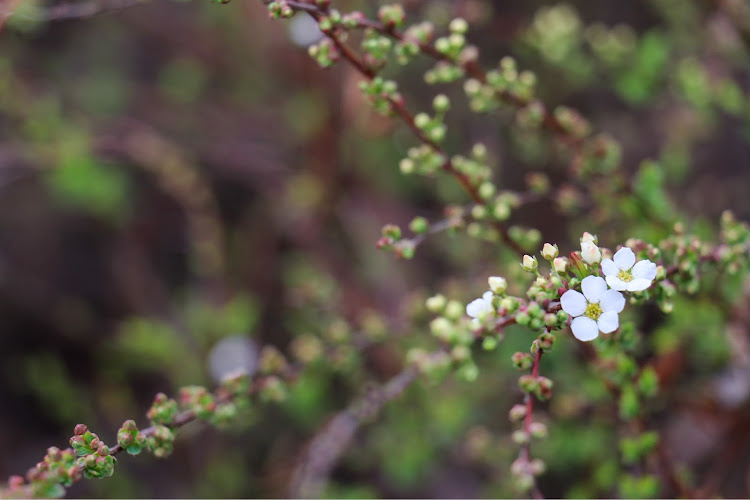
(593, 311)
(625, 276)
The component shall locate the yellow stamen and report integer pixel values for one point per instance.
(625, 276)
(593, 311)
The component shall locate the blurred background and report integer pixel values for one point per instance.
(180, 185)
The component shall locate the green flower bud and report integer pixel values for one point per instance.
(441, 103)
(436, 303)
(419, 225)
(528, 383)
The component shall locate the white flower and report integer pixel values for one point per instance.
(480, 307)
(623, 275)
(590, 252)
(593, 311)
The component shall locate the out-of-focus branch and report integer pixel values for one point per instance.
(63, 11)
(329, 445)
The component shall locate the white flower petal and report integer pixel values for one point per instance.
(593, 287)
(624, 258)
(573, 302)
(487, 296)
(608, 322)
(616, 283)
(477, 307)
(638, 285)
(645, 269)
(609, 267)
(612, 301)
(584, 328)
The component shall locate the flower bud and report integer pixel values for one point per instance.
(529, 263)
(529, 383)
(549, 252)
(436, 303)
(588, 238)
(590, 253)
(520, 437)
(454, 310)
(458, 25)
(419, 225)
(538, 430)
(560, 264)
(517, 413)
(441, 103)
(522, 360)
(498, 284)
(80, 429)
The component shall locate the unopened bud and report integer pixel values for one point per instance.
(549, 252)
(590, 253)
(560, 264)
(529, 263)
(498, 284)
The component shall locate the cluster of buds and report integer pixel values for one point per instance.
(49, 478)
(197, 399)
(434, 127)
(381, 94)
(392, 16)
(163, 410)
(413, 37)
(423, 160)
(161, 441)
(505, 81)
(376, 48)
(325, 53)
(130, 438)
(280, 9)
(572, 123)
(94, 457)
(392, 240)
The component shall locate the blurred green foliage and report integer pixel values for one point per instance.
(298, 175)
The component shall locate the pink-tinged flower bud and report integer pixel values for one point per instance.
(15, 482)
(517, 413)
(576, 265)
(591, 253)
(588, 238)
(560, 264)
(538, 430)
(80, 429)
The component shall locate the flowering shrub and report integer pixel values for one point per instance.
(590, 400)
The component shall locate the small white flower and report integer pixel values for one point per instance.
(594, 310)
(623, 275)
(480, 307)
(590, 252)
